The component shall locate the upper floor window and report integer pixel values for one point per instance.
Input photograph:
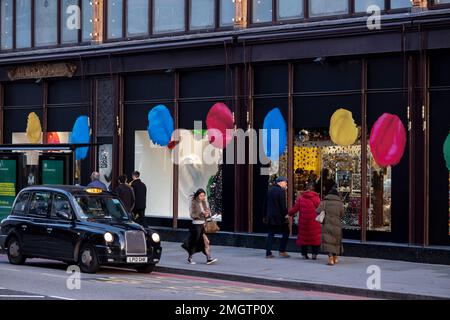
(70, 23)
(202, 14)
(114, 15)
(262, 11)
(319, 8)
(363, 5)
(45, 25)
(399, 4)
(168, 16)
(137, 17)
(289, 9)
(6, 26)
(87, 19)
(227, 12)
(23, 23)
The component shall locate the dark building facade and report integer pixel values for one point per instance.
(306, 58)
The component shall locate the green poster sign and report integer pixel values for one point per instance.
(7, 186)
(52, 172)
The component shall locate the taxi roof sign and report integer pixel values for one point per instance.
(94, 190)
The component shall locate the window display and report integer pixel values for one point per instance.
(156, 168)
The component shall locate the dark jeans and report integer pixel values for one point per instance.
(314, 250)
(140, 213)
(284, 231)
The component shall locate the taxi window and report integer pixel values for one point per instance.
(40, 204)
(62, 204)
(21, 205)
(100, 207)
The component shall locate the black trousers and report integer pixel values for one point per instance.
(314, 250)
(140, 213)
(195, 242)
(272, 231)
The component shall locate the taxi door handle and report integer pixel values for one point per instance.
(49, 230)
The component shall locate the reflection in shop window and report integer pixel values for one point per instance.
(202, 14)
(289, 9)
(168, 16)
(23, 24)
(319, 8)
(194, 172)
(69, 33)
(156, 168)
(137, 17)
(6, 27)
(114, 19)
(45, 32)
(362, 5)
(227, 12)
(262, 11)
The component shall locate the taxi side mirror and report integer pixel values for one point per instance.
(64, 215)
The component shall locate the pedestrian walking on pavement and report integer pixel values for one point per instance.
(332, 226)
(125, 193)
(275, 213)
(198, 241)
(140, 196)
(309, 230)
(96, 183)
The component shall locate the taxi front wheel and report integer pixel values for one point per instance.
(145, 269)
(14, 248)
(87, 260)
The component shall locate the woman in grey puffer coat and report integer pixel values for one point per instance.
(333, 206)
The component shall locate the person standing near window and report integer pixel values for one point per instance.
(275, 212)
(96, 183)
(140, 195)
(198, 241)
(125, 193)
(332, 225)
(309, 230)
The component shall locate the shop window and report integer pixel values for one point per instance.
(156, 168)
(436, 2)
(115, 19)
(46, 26)
(87, 19)
(6, 18)
(137, 17)
(168, 16)
(202, 15)
(23, 23)
(400, 4)
(261, 11)
(363, 5)
(69, 26)
(227, 12)
(318, 8)
(289, 9)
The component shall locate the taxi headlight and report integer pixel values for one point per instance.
(155, 237)
(108, 237)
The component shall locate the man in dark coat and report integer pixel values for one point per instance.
(125, 193)
(140, 195)
(275, 212)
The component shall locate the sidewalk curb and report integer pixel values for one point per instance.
(298, 285)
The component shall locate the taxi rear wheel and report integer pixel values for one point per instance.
(145, 269)
(87, 260)
(14, 248)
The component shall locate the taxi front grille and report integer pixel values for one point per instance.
(135, 243)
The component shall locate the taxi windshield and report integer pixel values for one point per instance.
(100, 207)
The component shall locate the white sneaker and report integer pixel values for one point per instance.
(211, 261)
(190, 261)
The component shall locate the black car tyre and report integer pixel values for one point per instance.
(145, 269)
(14, 251)
(87, 260)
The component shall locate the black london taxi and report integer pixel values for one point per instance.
(77, 225)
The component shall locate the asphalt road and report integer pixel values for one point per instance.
(43, 279)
